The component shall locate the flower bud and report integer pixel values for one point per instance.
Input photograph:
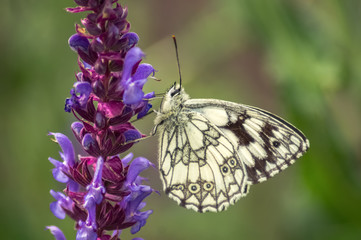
(100, 120)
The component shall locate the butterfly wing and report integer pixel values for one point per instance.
(266, 143)
(200, 169)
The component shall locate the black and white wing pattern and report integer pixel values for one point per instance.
(211, 151)
(200, 167)
(266, 144)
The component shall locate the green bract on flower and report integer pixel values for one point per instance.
(104, 192)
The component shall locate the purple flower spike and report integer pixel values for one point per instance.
(104, 192)
(58, 234)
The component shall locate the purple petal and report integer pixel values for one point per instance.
(144, 111)
(137, 166)
(68, 105)
(132, 134)
(142, 219)
(149, 95)
(90, 206)
(90, 144)
(66, 146)
(77, 42)
(143, 71)
(127, 159)
(134, 55)
(65, 201)
(96, 189)
(62, 202)
(86, 232)
(60, 176)
(72, 185)
(58, 171)
(57, 210)
(84, 90)
(136, 198)
(58, 234)
(132, 38)
(77, 127)
(133, 93)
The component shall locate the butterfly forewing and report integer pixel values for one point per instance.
(266, 144)
(200, 167)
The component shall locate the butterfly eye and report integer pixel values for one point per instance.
(208, 186)
(232, 162)
(194, 188)
(175, 92)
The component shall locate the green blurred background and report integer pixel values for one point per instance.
(300, 59)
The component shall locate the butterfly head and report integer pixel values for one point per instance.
(172, 103)
(173, 99)
(175, 90)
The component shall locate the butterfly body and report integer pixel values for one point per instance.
(211, 151)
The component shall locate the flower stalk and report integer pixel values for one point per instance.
(104, 193)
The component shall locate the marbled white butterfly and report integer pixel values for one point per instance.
(211, 151)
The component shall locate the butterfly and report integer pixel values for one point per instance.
(211, 151)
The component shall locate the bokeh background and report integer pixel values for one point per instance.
(300, 59)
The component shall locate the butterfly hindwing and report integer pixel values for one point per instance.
(200, 168)
(266, 144)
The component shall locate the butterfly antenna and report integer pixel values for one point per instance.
(176, 52)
